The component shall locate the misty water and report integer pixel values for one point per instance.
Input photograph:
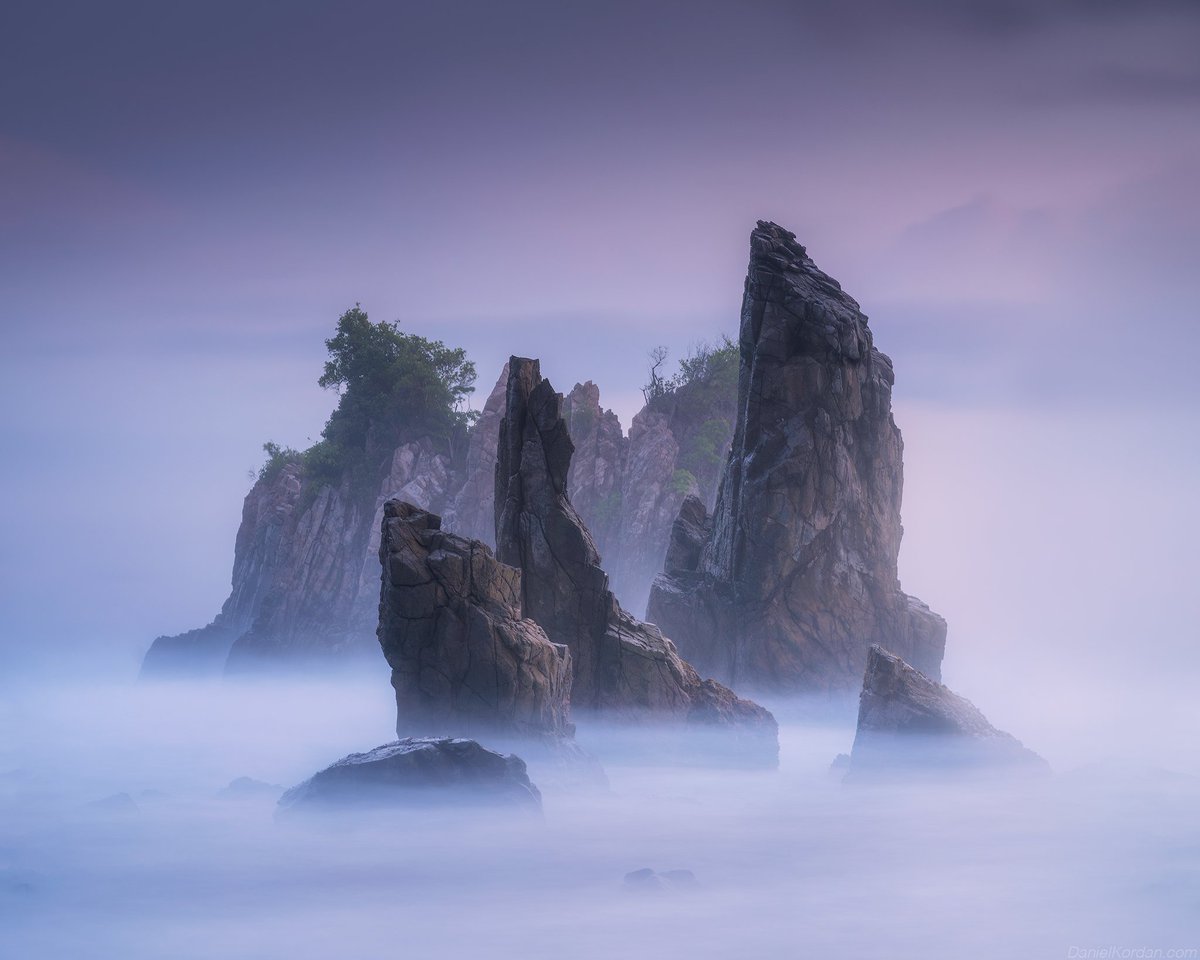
(1105, 853)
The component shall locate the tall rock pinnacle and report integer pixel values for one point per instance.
(623, 667)
(796, 575)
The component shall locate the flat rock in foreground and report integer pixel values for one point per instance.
(908, 723)
(418, 772)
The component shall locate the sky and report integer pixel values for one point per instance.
(191, 193)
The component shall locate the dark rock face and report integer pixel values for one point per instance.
(910, 723)
(418, 772)
(798, 576)
(623, 667)
(463, 660)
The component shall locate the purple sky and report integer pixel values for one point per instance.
(191, 193)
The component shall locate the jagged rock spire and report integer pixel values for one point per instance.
(798, 576)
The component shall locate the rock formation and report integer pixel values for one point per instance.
(622, 667)
(628, 490)
(417, 772)
(910, 723)
(596, 478)
(306, 558)
(798, 574)
(469, 511)
(305, 579)
(464, 662)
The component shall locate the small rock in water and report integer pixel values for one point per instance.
(908, 723)
(416, 772)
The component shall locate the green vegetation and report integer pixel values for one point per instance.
(708, 367)
(277, 457)
(704, 450)
(391, 386)
(682, 481)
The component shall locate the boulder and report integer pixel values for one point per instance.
(797, 576)
(623, 668)
(908, 723)
(464, 661)
(417, 772)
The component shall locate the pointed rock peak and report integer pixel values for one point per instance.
(910, 723)
(769, 239)
(797, 573)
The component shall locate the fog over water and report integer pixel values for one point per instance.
(788, 863)
(190, 194)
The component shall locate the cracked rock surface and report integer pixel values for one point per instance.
(794, 577)
(464, 661)
(622, 667)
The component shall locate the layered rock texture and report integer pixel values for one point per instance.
(305, 577)
(417, 772)
(908, 723)
(794, 577)
(628, 489)
(623, 667)
(463, 660)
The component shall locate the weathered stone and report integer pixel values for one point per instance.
(597, 473)
(469, 511)
(908, 723)
(623, 667)
(799, 574)
(464, 662)
(417, 772)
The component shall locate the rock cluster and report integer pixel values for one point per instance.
(305, 577)
(908, 723)
(623, 667)
(794, 577)
(427, 771)
(464, 661)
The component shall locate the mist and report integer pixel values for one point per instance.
(190, 195)
(785, 862)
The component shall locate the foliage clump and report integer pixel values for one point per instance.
(708, 367)
(391, 386)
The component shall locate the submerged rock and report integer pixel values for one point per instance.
(623, 668)
(797, 575)
(464, 661)
(419, 771)
(908, 723)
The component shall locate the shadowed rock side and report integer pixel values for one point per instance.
(910, 723)
(436, 772)
(464, 662)
(798, 574)
(623, 667)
